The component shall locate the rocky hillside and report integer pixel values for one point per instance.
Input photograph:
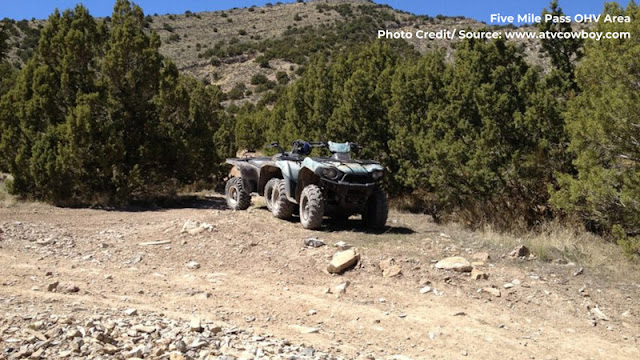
(248, 51)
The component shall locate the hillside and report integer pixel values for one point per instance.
(228, 48)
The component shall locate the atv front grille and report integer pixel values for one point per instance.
(357, 179)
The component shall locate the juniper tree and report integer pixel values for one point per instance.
(605, 132)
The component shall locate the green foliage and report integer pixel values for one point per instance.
(563, 52)
(282, 77)
(604, 131)
(97, 116)
(237, 92)
(480, 138)
(4, 37)
(258, 79)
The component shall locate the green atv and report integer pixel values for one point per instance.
(294, 182)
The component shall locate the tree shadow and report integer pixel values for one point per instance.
(186, 201)
(356, 225)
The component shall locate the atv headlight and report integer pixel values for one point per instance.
(377, 174)
(330, 173)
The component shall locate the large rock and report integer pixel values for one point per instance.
(455, 263)
(343, 260)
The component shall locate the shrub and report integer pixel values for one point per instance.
(258, 79)
(282, 77)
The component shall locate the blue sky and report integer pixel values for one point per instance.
(476, 9)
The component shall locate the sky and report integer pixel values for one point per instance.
(477, 9)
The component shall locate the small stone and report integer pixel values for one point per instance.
(314, 242)
(181, 346)
(195, 325)
(341, 245)
(599, 314)
(109, 349)
(195, 231)
(519, 251)
(493, 291)
(68, 288)
(478, 275)
(578, 272)
(312, 312)
(189, 225)
(425, 290)
(176, 356)
(342, 287)
(144, 329)
(193, 265)
(392, 271)
(464, 352)
(508, 285)
(73, 333)
(52, 286)
(481, 256)
(343, 260)
(131, 312)
(455, 263)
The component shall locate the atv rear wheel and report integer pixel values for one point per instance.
(311, 207)
(281, 207)
(268, 192)
(237, 197)
(377, 210)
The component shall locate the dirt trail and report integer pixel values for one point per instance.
(256, 274)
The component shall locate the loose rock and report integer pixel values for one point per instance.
(519, 251)
(343, 261)
(493, 291)
(478, 275)
(193, 265)
(456, 263)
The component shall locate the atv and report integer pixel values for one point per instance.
(294, 182)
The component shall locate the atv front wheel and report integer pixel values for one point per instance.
(377, 210)
(311, 207)
(237, 197)
(281, 207)
(268, 192)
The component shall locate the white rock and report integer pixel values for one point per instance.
(193, 265)
(456, 263)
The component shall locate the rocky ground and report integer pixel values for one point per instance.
(202, 282)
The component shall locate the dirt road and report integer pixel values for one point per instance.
(251, 274)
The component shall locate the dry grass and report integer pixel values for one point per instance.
(6, 199)
(554, 242)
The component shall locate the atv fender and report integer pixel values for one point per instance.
(248, 173)
(305, 177)
(267, 173)
(290, 174)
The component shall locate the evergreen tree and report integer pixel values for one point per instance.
(604, 131)
(563, 52)
(4, 37)
(97, 116)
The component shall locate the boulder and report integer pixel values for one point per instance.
(343, 260)
(455, 263)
